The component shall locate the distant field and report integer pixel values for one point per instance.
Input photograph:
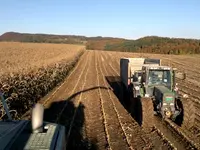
(17, 57)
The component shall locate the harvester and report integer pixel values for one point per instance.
(143, 77)
(34, 134)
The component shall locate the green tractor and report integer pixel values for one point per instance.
(147, 78)
(158, 82)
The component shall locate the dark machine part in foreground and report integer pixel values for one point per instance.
(143, 77)
(29, 135)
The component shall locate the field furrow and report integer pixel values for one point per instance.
(94, 113)
(148, 120)
(117, 139)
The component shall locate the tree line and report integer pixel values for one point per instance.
(149, 44)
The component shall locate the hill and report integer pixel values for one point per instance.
(42, 38)
(154, 44)
(148, 44)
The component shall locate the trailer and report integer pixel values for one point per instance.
(131, 66)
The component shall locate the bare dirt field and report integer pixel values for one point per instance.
(89, 103)
(190, 121)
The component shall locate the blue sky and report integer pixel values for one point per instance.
(116, 18)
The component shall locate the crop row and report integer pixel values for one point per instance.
(23, 90)
(113, 61)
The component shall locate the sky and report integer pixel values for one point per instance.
(129, 19)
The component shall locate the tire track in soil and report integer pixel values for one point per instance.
(136, 138)
(71, 114)
(95, 117)
(53, 95)
(76, 88)
(54, 114)
(116, 137)
(102, 103)
(191, 104)
(73, 126)
(158, 123)
(114, 107)
(158, 139)
(67, 84)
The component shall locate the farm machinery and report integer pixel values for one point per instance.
(143, 77)
(34, 134)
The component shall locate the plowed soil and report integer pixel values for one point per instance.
(91, 105)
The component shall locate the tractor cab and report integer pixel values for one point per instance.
(156, 76)
(159, 84)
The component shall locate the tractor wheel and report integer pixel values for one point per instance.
(147, 112)
(188, 114)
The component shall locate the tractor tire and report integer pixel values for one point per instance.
(147, 113)
(188, 114)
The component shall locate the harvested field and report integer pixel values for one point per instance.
(189, 64)
(92, 115)
(90, 104)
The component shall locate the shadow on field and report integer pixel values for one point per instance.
(179, 119)
(133, 106)
(76, 139)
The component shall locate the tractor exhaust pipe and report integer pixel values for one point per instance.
(37, 118)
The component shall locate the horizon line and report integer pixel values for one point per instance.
(54, 34)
